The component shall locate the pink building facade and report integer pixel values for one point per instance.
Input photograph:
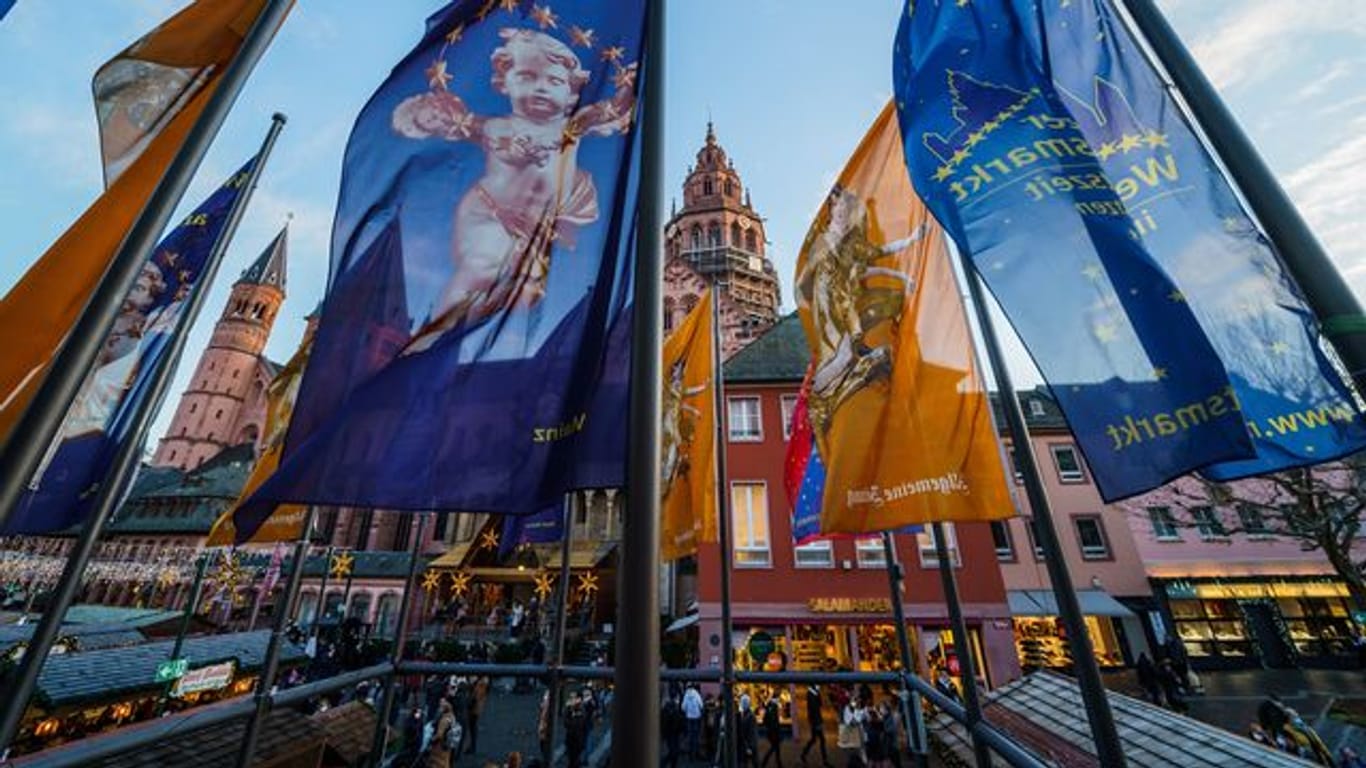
(1230, 590)
(1102, 556)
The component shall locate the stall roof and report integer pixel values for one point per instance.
(98, 675)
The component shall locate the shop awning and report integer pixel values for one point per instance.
(682, 623)
(1040, 602)
(454, 557)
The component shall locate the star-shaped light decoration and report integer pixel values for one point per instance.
(544, 17)
(488, 539)
(613, 54)
(588, 584)
(341, 565)
(431, 580)
(437, 76)
(460, 582)
(580, 36)
(167, 578)
(544, 585)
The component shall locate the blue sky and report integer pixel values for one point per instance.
(790, 85)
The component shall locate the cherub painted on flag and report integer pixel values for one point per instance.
(532, 193)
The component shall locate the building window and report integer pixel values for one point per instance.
(706, 187)
(929, 554)
(870, 552)
(817, 554)
(749, 517)
(734, 232)
(730, 189)
(1033, 528)
(1036, 408)
(219, 414)
(1164, 525)
(1000, 536)
(172, 456)
(1208, 524)
(443, 521)
(194, 407)
(362, 528)
(714, 235)
(235, 372)
(750, 244)
(1015, 466)
(743, 419)
(1069, 466)
(1091, 537)
(788, 403)
(1253, 521)
(403, 531)
(696, 237)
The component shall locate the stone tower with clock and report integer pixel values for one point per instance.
(717, 235)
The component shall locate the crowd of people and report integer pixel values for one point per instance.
(1281, 727)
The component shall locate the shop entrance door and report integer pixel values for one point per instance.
(1261, 625)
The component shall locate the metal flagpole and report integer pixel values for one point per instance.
(35, 429)
(910, 700)
(967, 664)
(271, 665)
(1304, 257)
(201, 565)
(557, 637)
(722, 532)
(346, 591)
(635, 715)
(319, 610)
(120, 475)
(1108, 748)
(396, 653)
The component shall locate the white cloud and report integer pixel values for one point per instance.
(64, 141)
(1259, 37)
(1328, 191)
(1337, 71)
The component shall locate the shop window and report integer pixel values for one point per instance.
(1253, 521)
(1164, 525)
(749, 519)
(817, 554)
(745, 425)
(788, 403)
(1208, 524)
(1068, 464)
(1033, 528)
(1091, 537)
(929, 554)
(1000, 536)
(870, 553)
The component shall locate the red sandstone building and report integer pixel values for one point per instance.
(827, 605)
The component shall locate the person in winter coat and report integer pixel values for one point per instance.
(875, 747)
(438, 756)
(746, 733)
(815, 720)
(1148, 679)
(773, 732)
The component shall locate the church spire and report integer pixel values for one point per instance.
(269, 267)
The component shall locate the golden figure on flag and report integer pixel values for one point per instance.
(680, 424)
(532, 193)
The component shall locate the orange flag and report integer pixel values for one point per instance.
(687, 472)
(899, 411)
(285, 522)
(147, 98)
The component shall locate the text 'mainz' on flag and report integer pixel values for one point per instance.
(899, 415)
(100, 419)
(471, 352)
(1163, 321)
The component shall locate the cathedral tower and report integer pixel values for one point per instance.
(225, 402)
(718, 235)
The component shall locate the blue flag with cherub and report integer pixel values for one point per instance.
(100, 419)
(1163, 321)
(491, 182)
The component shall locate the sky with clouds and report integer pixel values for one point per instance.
(790, 86)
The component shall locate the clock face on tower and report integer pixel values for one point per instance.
(743, 222)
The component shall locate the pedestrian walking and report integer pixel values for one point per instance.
(1347, 758)
(543, 724)
(444, 739)
(746, 734)
(944, 684)
(1172, 687)
(875, 747)
(892, 725)
(850, 739)
(576, 727)
(815, 719)
(478, 695)
(692, 712)
(671, 726)
(1148, 679)
(773, 732)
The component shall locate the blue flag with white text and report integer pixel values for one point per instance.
(100, 419)
(1164, 323)
(491, 181)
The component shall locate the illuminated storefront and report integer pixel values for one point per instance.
(1041, 639)
(1279, 623)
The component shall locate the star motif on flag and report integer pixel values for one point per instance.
(1106, 332)
(580, 36)
(1106, 150)
(943, 173)
(588, 584)
(624, 79)
(1154, 139)
(1130, 142)
(1309, 449)
(431, 580)
(341, 565)
(485, 9)
(457, 32)
(1176, 296)
(437, 76)
(1093, 271)
(169, 258)
(1231, 223)
(1279, 348)
(544, 582)
(460, 582)
(613, 54)
(488, 540)
(1159, 373)
(544, 17)
(959, 157)
(963, 3)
